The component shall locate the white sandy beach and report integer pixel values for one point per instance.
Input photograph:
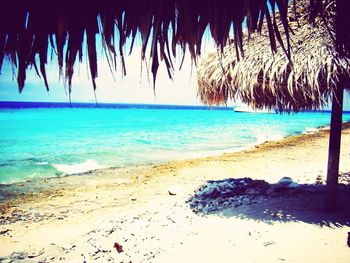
(84, 218)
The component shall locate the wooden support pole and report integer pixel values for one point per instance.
(334, 151)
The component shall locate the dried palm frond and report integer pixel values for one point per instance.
(303, 81)
(29, 28)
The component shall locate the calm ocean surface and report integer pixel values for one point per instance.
(46, 140)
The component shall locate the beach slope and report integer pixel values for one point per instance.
(140, 214)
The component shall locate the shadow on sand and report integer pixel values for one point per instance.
(307, 209)
(289, 206)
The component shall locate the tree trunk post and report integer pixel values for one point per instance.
(334, 150)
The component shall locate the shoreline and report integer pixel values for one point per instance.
(206, 154)
(12, 191)
(80, 217)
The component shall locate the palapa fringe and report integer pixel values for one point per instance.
(305, 81)
(29, 29)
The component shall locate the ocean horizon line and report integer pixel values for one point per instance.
(39, 104)
(122, 105)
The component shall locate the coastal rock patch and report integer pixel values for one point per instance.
(231, 193)
(217, 195)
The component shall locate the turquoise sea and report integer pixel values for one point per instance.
(39, 140)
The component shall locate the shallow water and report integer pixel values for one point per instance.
(53, 140)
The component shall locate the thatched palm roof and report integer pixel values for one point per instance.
(29, 29)
(260, 79)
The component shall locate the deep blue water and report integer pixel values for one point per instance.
(54, 139)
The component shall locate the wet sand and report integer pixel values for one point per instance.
(87, 217)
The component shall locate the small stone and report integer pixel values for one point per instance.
(285, 181)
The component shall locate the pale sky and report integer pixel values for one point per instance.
(111, 88)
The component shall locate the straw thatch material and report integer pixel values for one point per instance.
(263, 80)
(29, 29)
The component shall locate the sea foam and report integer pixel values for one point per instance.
(310, 130)
(78, 168)
(268, 135)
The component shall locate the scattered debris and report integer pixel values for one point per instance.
(268, 243)
(3, 232)
(171, 192)
(118, 247)
(174, 190)
(34, 255)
